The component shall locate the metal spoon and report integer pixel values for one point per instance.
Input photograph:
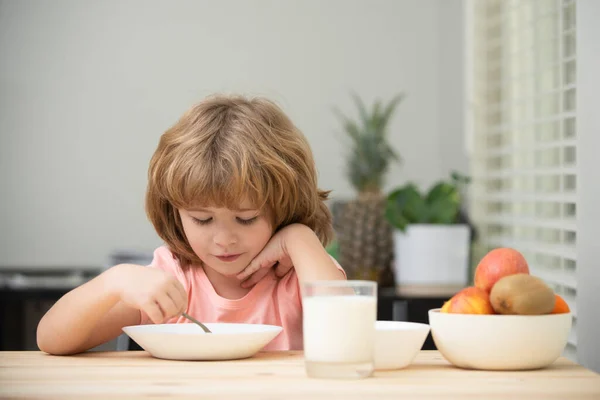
(194, 320)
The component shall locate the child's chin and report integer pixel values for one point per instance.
(231, 274)
(228, 273)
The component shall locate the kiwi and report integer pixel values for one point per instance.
(522, 294)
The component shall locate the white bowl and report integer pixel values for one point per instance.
(397, 343)
(189, 342)
(500, 342)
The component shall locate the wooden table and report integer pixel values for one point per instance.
(135, 374)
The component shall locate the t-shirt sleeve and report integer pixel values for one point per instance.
(165, 260)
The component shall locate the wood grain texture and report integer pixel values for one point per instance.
(274, 375)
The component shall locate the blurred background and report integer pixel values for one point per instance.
(496, 103)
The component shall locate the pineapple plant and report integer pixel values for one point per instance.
(364, 235)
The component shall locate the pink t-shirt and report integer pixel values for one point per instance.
(272, 301)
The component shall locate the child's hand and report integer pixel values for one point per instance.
(154, 291)
(295, 246)
(273, 254)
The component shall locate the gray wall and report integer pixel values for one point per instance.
(451, 147)
(87, 87)
(588, 185)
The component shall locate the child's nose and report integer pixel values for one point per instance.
(225, 237)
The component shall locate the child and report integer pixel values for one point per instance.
(233, 193)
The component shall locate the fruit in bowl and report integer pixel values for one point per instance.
(510, 319)
(510, 292)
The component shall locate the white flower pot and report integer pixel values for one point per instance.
(432, 255)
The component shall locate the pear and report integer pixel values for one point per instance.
(522, 294)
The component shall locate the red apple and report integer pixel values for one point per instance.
(497, 264)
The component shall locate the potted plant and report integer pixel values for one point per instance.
(364, 236)
(432, 236)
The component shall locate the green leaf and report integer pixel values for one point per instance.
(459, 178)
(350, 127)
(376, 108)
(443, 201)
(362, 110)
(387, 113)
(405, 206)
(396, 219)
(353, 131)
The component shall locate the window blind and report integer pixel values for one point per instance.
(523, 136)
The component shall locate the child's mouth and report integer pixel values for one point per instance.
(228, 258)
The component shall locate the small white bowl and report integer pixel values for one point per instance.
(500, 342)
(397, 343)
(189, 342)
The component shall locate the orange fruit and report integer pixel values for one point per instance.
(560, 306)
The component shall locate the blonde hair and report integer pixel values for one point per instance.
(224, 150)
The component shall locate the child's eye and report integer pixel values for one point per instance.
(201, 221)
(246, 221)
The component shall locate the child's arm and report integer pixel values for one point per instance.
(296, 245)
(96, 311)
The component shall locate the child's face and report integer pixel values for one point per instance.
(226, 240)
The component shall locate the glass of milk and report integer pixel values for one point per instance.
(339, 328)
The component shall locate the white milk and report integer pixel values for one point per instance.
(339, 329)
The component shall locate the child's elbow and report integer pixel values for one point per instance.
(47, 341)
(43, 341)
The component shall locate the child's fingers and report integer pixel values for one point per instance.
(249, 282)
(180, 299)
(249, 270)
(152, 309)
(167, 305)
(181, 291)
(255, 278)
(282, 269)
